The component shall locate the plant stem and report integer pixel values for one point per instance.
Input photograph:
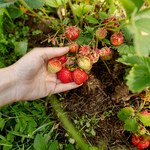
(67, 123)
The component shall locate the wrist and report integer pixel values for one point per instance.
(7, 85)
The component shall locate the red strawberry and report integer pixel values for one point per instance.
(145, 113)
(73, 47)
(143, 144)
(54, 66)
(101, 33)
(62, 58)
(84, 50)
(135, 139)
(79, 76)
(117, 38)
(72, 32)
(105, 53)
(65, 75)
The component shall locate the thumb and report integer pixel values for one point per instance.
(51, 52)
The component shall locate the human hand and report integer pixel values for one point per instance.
(33, 81)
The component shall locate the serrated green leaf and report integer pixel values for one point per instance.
(40, 143)
(55, 3)
(21, 47)
(84, 39)
(54, 145)
(69, 147)
(5, 3)
(35, 4)
(132, 60)
(92, 20)
(102, 16)
(14, 12)
(143, 25)
(125, 49)
(144, 119)
(2, 123)
(82, 9)
(138, 78)
(131, 125)
(125, 113)
(145, 13)
(129, 6)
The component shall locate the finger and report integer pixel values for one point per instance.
(51, 52)
(61, 87)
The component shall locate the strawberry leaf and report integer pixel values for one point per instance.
(125, 113)
(138, 78)
(131, 125)
(145, 119)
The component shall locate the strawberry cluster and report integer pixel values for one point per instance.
(76, 64)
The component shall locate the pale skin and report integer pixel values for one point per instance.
(28, 78)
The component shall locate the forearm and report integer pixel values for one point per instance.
(7, 85)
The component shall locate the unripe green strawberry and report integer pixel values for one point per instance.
(79, 76)
(101, 33)
(54, 66)
(84, 63)
(84, 50)
(72, 32)
(73, 47)
(117, 39)
(105, 53)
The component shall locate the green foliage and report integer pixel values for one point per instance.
(145, 119)
(82, 9)
(35, 4)
(5, 3)
(55, 3)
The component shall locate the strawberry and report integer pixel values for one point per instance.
(117, 38)
(79, 76)
(65, 75)
(111, 22)
(143, 144)
(145, 113)
(105, 53)
(101, 33)
(54, 66)
(135, 139)
(84, 63)
(140, 142)
(72, 32)
(73, 47)
(62, 58)
(84, 50)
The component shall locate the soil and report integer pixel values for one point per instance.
(103, 95)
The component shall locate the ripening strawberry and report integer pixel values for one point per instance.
(54, 66)
(101, 33)
(84, 50)
(117, 39)
(143, 144)
(65, 75)
(73, 47)
(72, 32)
(105, 53)
(79, 76)
(62, 58)
(136, 139)
(84, 63)
(145, 113)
